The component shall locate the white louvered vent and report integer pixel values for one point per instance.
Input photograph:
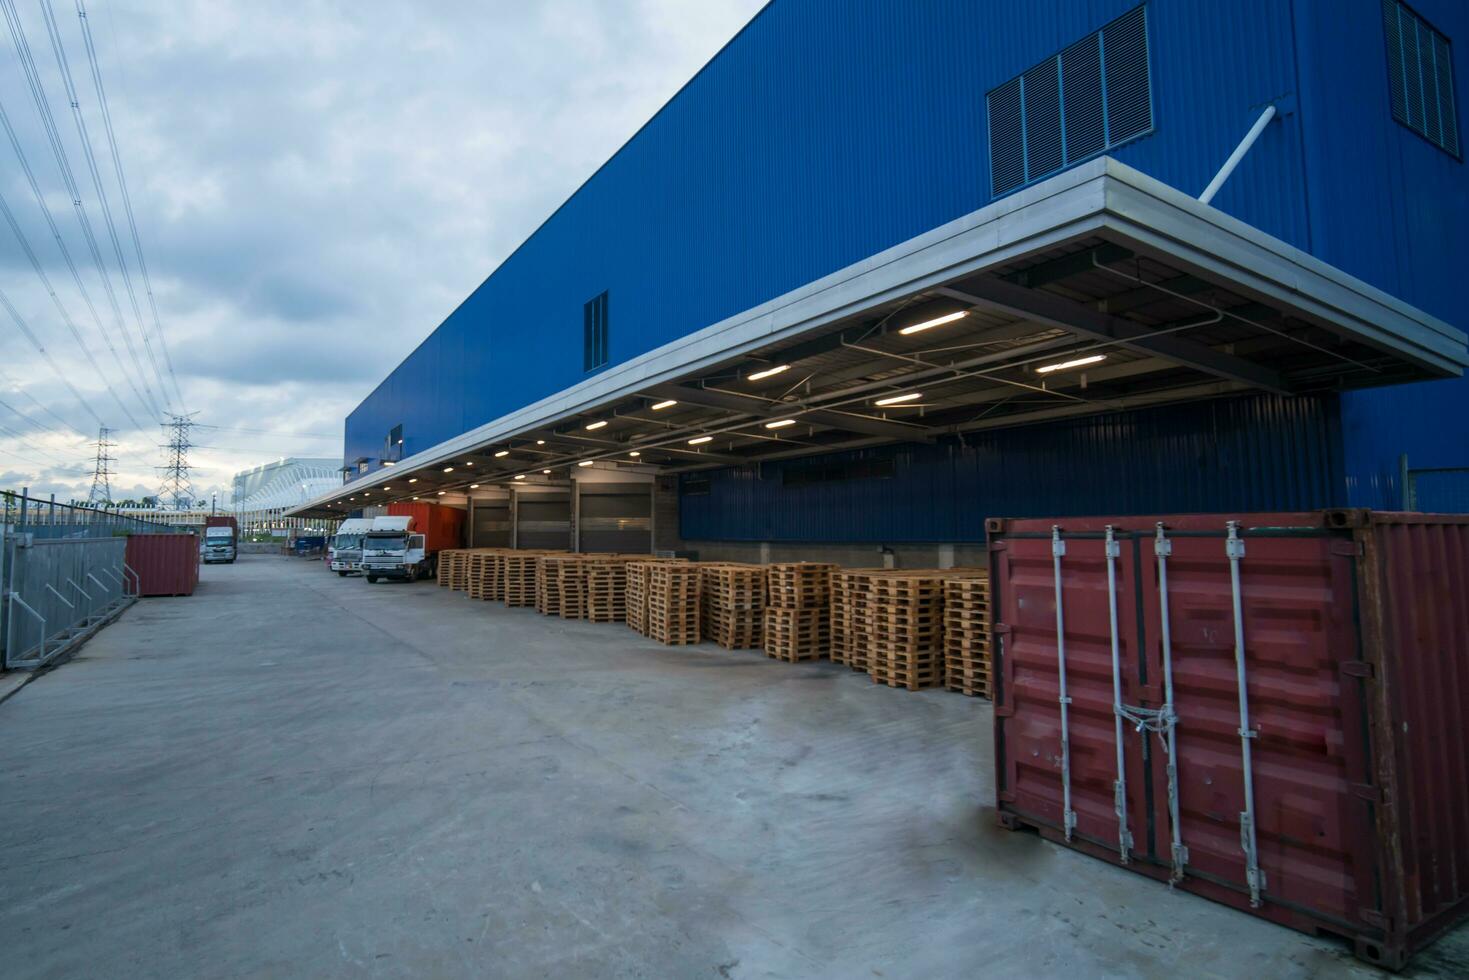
(1095, 95)
(1420, 77)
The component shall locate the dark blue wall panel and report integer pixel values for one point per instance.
(831, 129)
(1257, 453)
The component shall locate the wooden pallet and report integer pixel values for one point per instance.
(520, 571)
(794, 635)
(673, 603)
(848, 616)
(636, 602)
(967, 661)
(733, 598)
(905, 621)
(605, 598)
(799, 584)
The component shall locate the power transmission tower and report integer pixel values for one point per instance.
(101, 493)
(176, 486)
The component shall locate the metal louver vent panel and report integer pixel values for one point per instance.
(1420, 76)
(1090, 98)
(1007, 138)
(1129, 85)
(1081, 81)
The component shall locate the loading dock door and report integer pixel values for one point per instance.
(543, 520)
(615, 517)
(491, 526)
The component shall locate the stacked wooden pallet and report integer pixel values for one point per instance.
(605, 589)
(906, 617)
(635, 603)
(673, 602)
(519, 571)
(851, 631)
(967, 661)
(571, 573)
(733, 603)
(475, 573)
(797, 619)
(548, 586)
(445, 566)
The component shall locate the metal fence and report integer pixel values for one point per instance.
(63, 573)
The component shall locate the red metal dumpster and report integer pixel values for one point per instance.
(1320, 780)
(166, 564)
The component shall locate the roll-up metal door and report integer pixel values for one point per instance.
(543, 520)
(615, 517)
(491, 527)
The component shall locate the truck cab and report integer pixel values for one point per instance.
(345, 551)
(219, 544)
(393, 550)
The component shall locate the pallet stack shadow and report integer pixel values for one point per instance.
(967, 661)
(797, 616)
(733, 600)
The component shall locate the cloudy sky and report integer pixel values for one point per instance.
(315, 186)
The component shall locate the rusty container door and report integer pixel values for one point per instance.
(165, 564)
(1251, 784)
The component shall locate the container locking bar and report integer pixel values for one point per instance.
(1234, 548)
(1163, 549)
(1068, 815)
(1119, 797)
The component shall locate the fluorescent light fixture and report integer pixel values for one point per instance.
(664, 404)
(469, 462)
(585, 462)
(448, 469)
(899, 399)
(441, 493)
(387, 488)
(474, 486)
(769, 372)
(1064, 365)
(700, 440)
(545, 471)
(415, 498)
(400, 442)
(540, 442)
(635, 454)
(502, 454)
(600, 423)
(413, 479)
(389, 462)
(351, 498)
(935, 322)
(780, 423)
(520, 476)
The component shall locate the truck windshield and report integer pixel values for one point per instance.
(345, 542)
(220, 533)
(391, 542)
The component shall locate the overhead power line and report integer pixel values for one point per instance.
(9, 382)
(64, 66)
(41, 349)
(58, 151)
(127, 198)
(76, 278)
(76, 334)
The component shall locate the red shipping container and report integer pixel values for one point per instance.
(442, 527)
(1334, 796)
(166, 564)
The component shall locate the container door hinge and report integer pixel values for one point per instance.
(1348, 549)
(1001, 545)
(1001, 629)
(1004, 711)
(1358, 668)
(1367, 791)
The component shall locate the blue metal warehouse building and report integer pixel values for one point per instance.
(713, 338)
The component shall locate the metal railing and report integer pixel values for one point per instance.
(63, 574)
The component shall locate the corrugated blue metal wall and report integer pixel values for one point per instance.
(1391, 208)
(831, 129)
(826, 131)
(1256, 453)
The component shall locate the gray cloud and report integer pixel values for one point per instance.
(317, 185)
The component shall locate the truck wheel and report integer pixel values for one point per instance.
(342, 574)
(412, 575)
(372, 579)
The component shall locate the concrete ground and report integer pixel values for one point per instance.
(294, 774)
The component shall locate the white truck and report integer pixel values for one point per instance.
(346, 546)
(219, 544)
(392, 550)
